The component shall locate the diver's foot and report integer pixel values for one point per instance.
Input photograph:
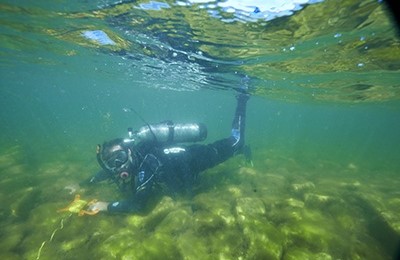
(237, 140)
(244, 86)
(235, 133)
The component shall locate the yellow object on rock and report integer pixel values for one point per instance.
(78, 205)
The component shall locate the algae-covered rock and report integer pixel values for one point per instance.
(152, 246)
(304, 254)
(157, 215)
(175, 222)
(247, 172)
(286, 211)
(116, 244)
(249, 208)
(206, 223)
(11, 237)
(75, 242)
(313, 231)
(126, 243)
(192, 246)
(264, 241)
(203, 242)
(134, 221)
(29, 198)
(351, 186)
(235, 191)
(302, 187)
(45, 216)
(294, 203)
(313, 200)
(9, 256)
(204, 204)
(347, 222)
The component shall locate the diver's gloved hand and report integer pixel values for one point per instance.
(98, 206)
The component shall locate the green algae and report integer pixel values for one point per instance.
(252, 214)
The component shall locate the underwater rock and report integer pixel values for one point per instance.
(21, 207)
(318, 232)
(394, 204)
(116, 244)
(235, 191)
(193, 246)
(249, 208)
(12, 236)
(72, 188)
(204, 201)
(247, 171)
(45, 216)
(206, 223)
(302, 187)
(285, 216)
(347, 222)
(383, 224)
(286, 211)
(275, 180)
(291, 216)
(158, 214)
(153, 245)
(318, 201)
(351, 186)
(63, 233)
(264, 240)
(150, 240)
(227, 216)
(220, 243)
(303, 253)
(209, 231)
(221, 208)
(9, 256)
(294, 203)
(9, 157)
(307, 235)
(73, 242)
(135, 221)
(175, 222)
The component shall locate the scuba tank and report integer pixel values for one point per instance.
(168, 132)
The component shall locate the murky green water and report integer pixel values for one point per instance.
(323, 125)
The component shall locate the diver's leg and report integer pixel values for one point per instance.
(207, 156)
(203, 157)
(239, 122)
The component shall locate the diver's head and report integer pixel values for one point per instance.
(116, 158)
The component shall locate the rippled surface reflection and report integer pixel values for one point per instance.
(298, 51)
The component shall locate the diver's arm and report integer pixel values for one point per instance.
(113, 207)
(123, 206)
(135, 204)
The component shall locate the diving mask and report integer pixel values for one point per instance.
(115, 159)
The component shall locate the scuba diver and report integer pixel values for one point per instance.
(153, 158)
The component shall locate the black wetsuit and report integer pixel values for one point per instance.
(176, 166)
